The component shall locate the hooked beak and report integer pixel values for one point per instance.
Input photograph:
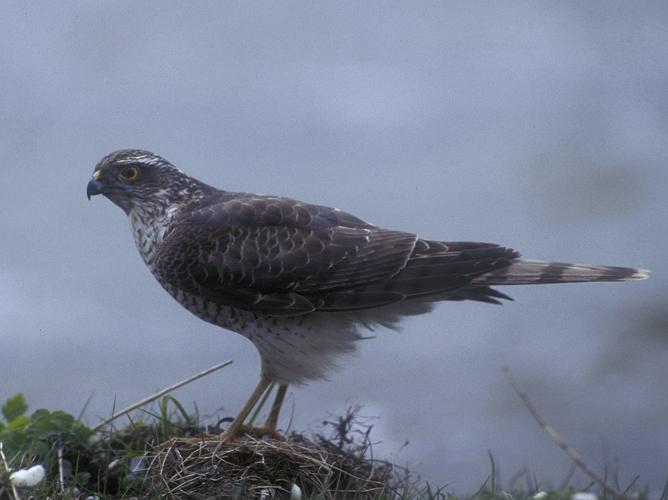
(94, 186)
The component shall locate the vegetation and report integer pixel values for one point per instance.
(148, 458)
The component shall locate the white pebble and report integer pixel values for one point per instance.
(584, 496)
(27, 478)
(539, 495)
(114, 464)
(295, 493)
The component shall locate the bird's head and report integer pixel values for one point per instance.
(132, 178)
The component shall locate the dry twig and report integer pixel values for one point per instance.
(61, 470)
(6, 465)
(552, 433)
(158, 394)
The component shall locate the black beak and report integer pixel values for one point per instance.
(94, 187)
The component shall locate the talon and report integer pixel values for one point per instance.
(226, 437)
(256, 432)
(263, 432)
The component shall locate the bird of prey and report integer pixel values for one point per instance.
(299, 280)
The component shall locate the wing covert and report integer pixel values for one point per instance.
(279, 256)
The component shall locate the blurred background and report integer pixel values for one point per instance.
(539, 125)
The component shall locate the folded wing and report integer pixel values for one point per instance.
(278, 256)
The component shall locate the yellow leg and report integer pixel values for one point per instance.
(272, 420)
(234, 429)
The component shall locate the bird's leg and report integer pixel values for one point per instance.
(270, 424)
(238, 422)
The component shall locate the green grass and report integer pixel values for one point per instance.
(101, 463)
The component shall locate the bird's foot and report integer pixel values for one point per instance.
(256, 432)
(266, 432)
(225, 437)
(186, 440)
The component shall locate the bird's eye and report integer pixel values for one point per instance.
(129, 173)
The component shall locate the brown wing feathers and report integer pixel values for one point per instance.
(279, 256)
(283, 257)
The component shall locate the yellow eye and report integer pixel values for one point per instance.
(129, 173)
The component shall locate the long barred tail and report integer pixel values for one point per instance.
(534, 272)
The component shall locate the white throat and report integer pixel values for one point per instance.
(148, 229)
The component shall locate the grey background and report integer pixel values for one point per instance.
(539, 125)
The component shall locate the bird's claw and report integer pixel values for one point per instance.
(256, 432)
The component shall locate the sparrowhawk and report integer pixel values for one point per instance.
(300, 280)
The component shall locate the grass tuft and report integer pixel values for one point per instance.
(148, 458)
